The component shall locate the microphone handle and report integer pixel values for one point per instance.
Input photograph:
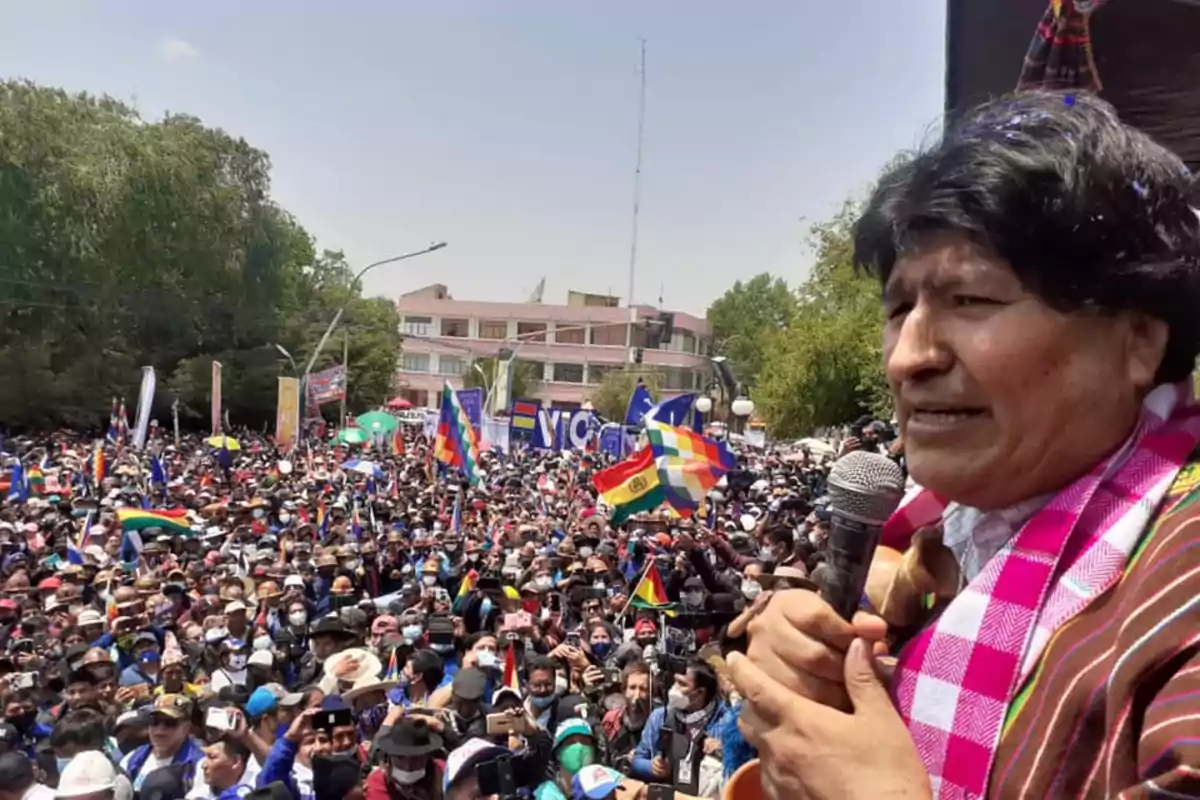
(849, 550)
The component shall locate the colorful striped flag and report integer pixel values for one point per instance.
(465, 588)
(138, 519)
(511, 679)
(650, 592)
(667, 440)
(397, 443)
(455, 444)
(393, 667)
(630, 486)
(98, 467)
(35, 478)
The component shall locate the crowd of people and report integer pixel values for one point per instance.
(311, 630)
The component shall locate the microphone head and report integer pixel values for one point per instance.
(865, 486)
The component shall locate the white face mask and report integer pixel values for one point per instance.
(298, 619)
(263, 643)
(561, 685)
(584, 552)
(676, 699)
(694, 599)
(284, 518)
(485, 658)
(350, 564)
(751, 589)
(407, 777)
(429, 580)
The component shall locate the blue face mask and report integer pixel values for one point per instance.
(61, 764)
(411, 633)
(541, 702)
(485, 607)
(602, 649)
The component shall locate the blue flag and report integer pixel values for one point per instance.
(18, 488)
(640, 402)
(673, 412)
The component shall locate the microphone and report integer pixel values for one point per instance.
(864, 489)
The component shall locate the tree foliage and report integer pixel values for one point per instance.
(611, 397)
(523, 382)
(743, 320)
(825, 366)
(125, 243)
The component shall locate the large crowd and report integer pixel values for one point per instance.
(316, 630)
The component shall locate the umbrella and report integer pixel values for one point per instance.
(363, 466)
(377, 422)
(352, 436)
(223, 442)
(399, 404)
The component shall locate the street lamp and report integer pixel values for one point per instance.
(288, 356)
(742, 408)
(704, 404)
(358, 277)
(482, 375)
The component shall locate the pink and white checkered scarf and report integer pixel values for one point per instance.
(954, 682)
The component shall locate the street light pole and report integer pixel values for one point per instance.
(358, 277)
(283, 351)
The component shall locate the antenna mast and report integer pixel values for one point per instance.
(637, 174)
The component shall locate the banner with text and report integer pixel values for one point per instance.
(471, 401)
(327, 385)
(287, 412)
(561, 429)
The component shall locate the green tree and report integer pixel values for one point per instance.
(526, 375)
(825, 366)
(126, 243)
(742, 320)
(611, 397)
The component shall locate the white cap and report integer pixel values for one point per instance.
(261, 658)
(236, 605)
(749, 523)
(88, 772)
(89, 616)
(293, 580)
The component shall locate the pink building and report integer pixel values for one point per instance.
(575, 344)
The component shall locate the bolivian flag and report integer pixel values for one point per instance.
(631, 486)
(136, 519)
(650, 592)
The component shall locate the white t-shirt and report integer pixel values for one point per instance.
(39, 792)
(152, 763)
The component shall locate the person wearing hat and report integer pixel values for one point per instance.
(574, 749)
(409, 768)
(234, 656)
(461, 781)
(89, 776)
(145, 669)
(171, 741)
(467, 718)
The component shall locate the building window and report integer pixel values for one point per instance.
(684, 342)
(417, 326)
(571, 334)
(531, 331)
(415, 362)
(451, 365)
(597, 372)
(459, 328)
(493, 329)
(568, 373)
(609, 335)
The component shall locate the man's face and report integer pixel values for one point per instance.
(541, 682)
(220, 769)
(344, 739)
(324, 646)
(167, 733)
(686, 683)
(637, 689)
(80, 693)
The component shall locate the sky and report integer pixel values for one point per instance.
(508, 128)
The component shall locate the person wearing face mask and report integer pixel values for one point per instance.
(694, 717)
(422, 674)
(574, 749)
(146, 668)
(410, 769)
(232, 672)
(541, 703)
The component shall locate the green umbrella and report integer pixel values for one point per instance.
(352, 436)
(378, 422)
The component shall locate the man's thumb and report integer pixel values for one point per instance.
(863, 684)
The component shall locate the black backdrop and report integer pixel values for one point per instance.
(1147, 54)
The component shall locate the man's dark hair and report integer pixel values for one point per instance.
(81, 728)
(235, 749)
(428, 665)
(705, 678)
(541, 664)
(633, 668)
(1092, 215)
(16, 773)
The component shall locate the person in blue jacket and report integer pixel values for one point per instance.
(694, 717)
(171, 742)
(290, 758)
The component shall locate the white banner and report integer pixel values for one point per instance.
(145, 401)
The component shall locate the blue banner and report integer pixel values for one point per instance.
(523, 421)
(471, 401)
(559, 429)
